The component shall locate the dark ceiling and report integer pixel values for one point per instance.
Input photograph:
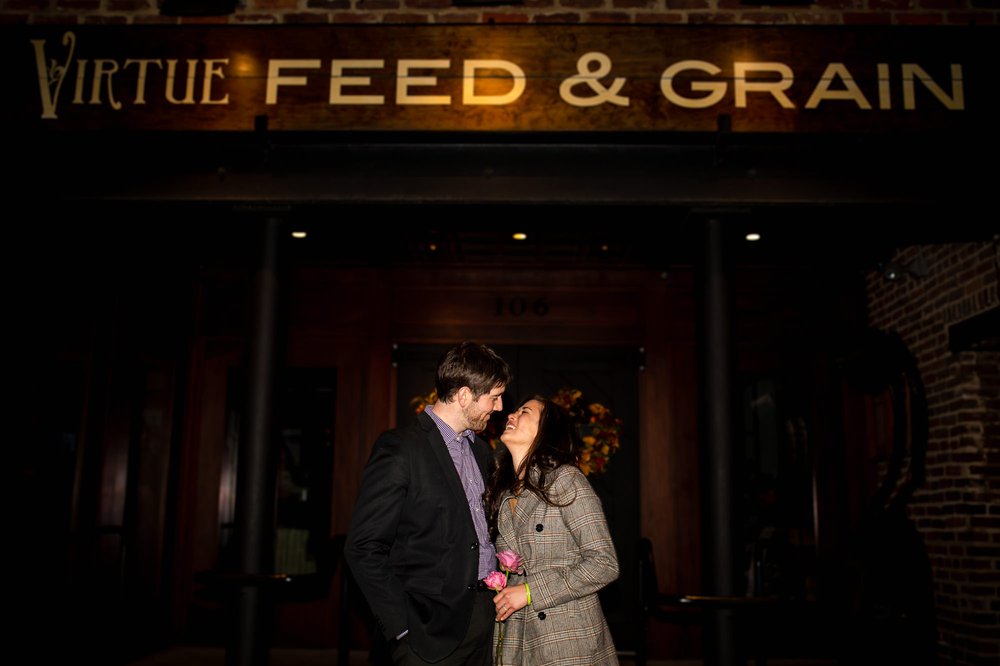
(583, 200)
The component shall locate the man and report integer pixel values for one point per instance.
(418, 544)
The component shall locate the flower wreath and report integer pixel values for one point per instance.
(598, 429)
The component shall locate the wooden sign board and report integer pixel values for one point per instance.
(524, 78)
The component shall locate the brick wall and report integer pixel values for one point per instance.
(821, 12)
(956, 511)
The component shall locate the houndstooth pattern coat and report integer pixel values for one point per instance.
(568, 556)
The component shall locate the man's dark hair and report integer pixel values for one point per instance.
(473, 365)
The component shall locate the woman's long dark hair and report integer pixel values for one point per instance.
(553, 446)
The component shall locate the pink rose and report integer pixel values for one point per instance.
(495, 581)
(511, 561)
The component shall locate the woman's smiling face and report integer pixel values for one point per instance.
(522, 425)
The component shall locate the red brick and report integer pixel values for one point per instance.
(581, 4)
(562, 17)
(607, 17)
(660, 18)
(633, 3)
(34, 5)
(985, 551)
(494, 17)
(720, 18)
(305, 17)
(354, 17)
(457, 17)
(255, 19)
(272, 4)
(971, 536)
(920, 19)
(764, 17)
(100, 19)
(13, 19)
(204, 20)
(128, 5)
(400, 18)
(891, 4)
(155, 19)
(984, 577)
(328, 4)
(970, 18)
(867, 18)
(377, 4)
(815, 18)
(427, 4)
(78, 4)
(839, 4)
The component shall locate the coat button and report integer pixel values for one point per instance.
(470, 588)
(474, 546)
(538, 527)
(541, 616)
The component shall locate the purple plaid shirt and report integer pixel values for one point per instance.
(460, 448)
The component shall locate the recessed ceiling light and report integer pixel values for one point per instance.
(520, 236)
(298, 234)
(753, 237)
(432, 247)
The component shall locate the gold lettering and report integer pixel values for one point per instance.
(469, 95)
(716, 90)
(851, 90)
(104, 68)
(884, 95)
(404, 81)
(81, 75)
(140, 83)
(338, 81)
(189, 88)
(275, 79)
(52, 76)
(212, 68)
(741, 86)
(954, 103)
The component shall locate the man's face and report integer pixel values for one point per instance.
(477, 412)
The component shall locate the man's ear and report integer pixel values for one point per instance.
(464, 396)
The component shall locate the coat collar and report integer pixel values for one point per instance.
(527, 502)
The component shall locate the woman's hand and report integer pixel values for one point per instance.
(509, 600)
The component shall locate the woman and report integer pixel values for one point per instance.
(541, 506)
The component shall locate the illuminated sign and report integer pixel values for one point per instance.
(500, 78)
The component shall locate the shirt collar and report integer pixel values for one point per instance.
(448, 434)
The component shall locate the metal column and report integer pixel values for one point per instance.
(717, 459)
(255, 492)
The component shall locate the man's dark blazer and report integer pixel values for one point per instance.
(412, 545)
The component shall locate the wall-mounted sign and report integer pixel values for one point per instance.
(500, 78)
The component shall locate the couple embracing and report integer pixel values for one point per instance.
(436, 506)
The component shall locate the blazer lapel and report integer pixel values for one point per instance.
(440, 451)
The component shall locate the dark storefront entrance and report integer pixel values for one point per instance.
(142, 249)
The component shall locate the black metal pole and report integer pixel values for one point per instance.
(254, 499)
(717, 473)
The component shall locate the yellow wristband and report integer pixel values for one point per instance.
(527, 592)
